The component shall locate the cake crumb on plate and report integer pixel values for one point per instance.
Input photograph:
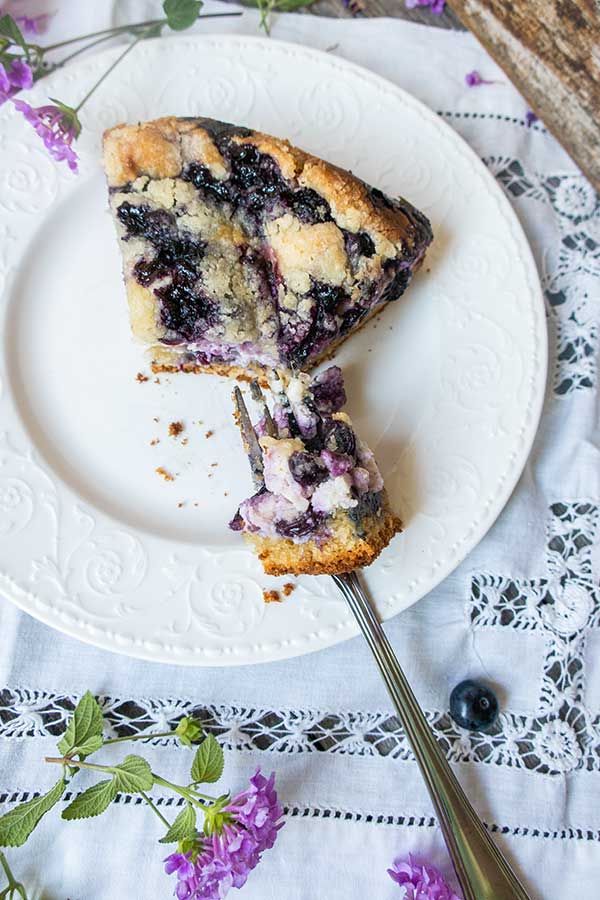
(164, 474)
(175, 429)
(287, 589)
(154, 442)
(141, 377)
(271, 596)
(209, 433)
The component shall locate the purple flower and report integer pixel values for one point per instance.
(530, 118)
(356, 7)
(33, 24)
(474, 79)
(28, 24)
(225, 859)
(437, 6)
(15, 79)
(58, 126)
(420, 882)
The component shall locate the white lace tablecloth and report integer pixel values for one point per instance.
(522, 611)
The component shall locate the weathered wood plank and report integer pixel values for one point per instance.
(394, 8)
(550, 49)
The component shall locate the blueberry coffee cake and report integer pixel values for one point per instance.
(241, 252)
(320, 505)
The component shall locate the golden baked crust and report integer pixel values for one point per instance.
(159, 149)
(342, 552)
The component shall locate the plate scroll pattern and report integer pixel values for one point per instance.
(82, 572)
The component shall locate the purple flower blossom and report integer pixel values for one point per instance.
(356, 7)
(530, 118)
(58, 127)
(437, 6)
(420, 882)
(225, 859)
(474, 79)
(33, 24)
(28, 24)
(15, 79)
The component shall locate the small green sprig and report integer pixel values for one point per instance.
(267, 7)
(82, 738)
(14, 888)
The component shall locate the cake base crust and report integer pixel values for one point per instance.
(342, 552)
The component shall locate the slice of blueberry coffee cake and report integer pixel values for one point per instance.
(320, 505)
(241, 252)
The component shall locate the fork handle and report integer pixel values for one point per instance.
(482, 870)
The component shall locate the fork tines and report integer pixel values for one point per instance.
(249, 439)
(259, 397)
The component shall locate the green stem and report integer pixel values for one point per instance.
(189, 793)
(66, 59)
(111, 32)
(153, 807)
(140, 737)
(65, 761)
(111, 67)
(13, 884)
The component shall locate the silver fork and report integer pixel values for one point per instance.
(481, 869)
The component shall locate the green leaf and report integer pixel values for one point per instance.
(154, 31)
(208, 761)
(133, 775)
(92, 802)
(291, 5)
(9, 27)
(85, 723)
(181, 14)
(92, 744)
(190, 846)
(17, 825)
(183, 828)
(188, 731)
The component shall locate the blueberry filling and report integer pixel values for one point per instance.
(221, 132)
(397, 284)
(358, 244)
(307, 469)
(185, 312)
(379, 199)
(323, 327)
(308, 206)
(302, 526)
(352, 317)
(338, 437)
(368, 504)
(202, 179)
(176, 256)
(155, 225)
(328, 296)
(257, 187)
(328, 390)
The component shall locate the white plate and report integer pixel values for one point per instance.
(446, 385)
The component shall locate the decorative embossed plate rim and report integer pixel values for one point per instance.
(86, 572)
